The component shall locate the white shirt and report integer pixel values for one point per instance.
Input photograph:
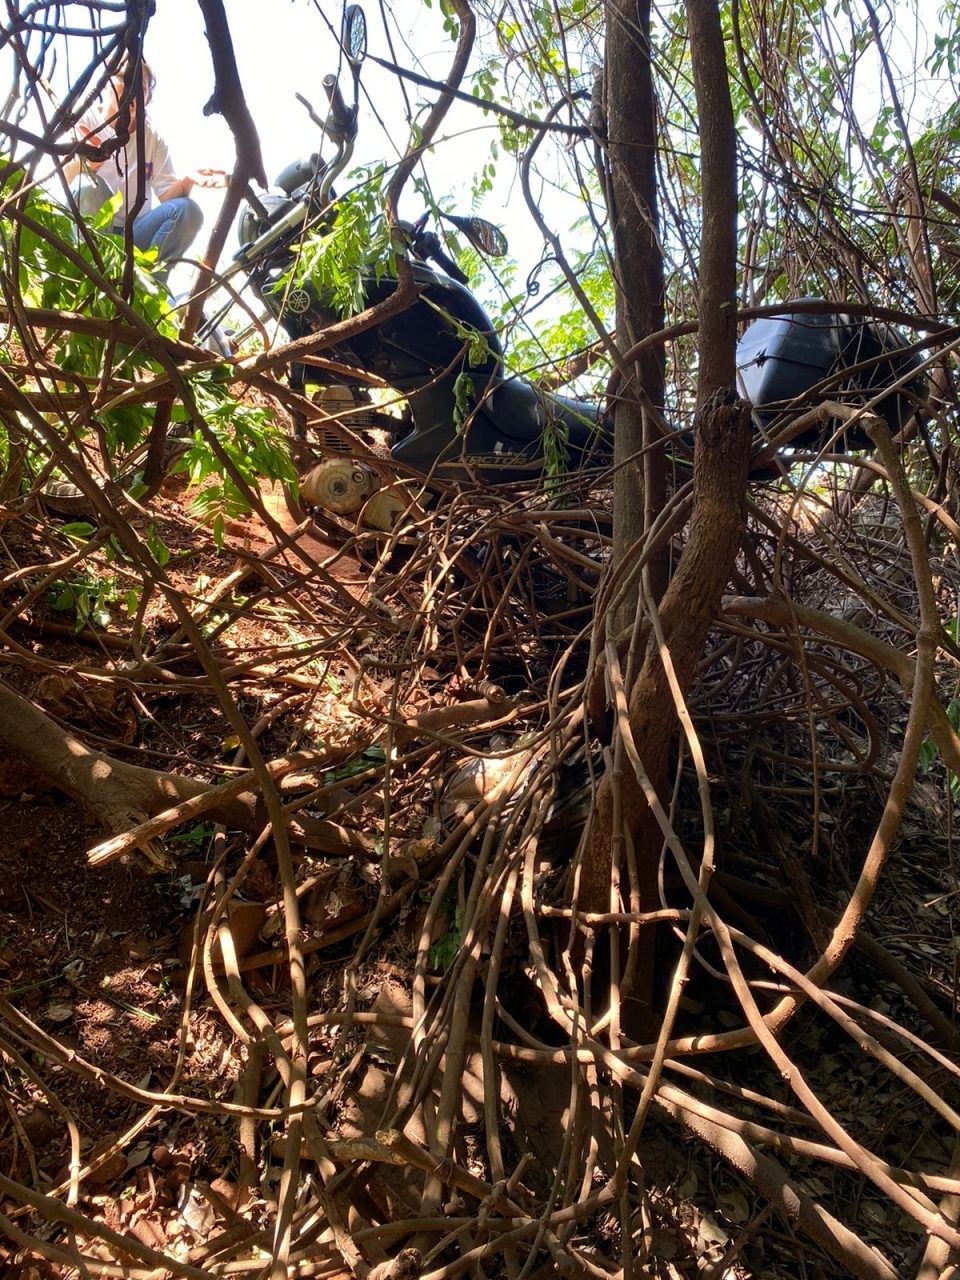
(119, 171)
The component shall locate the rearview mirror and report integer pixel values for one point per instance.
(483, 235)
(354, 37)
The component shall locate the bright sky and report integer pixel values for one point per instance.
(284, 47)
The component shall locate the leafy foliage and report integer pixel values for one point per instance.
(334, 259)
(249, 438)
(62, 271)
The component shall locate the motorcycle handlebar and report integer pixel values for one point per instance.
(450, 267)
(430, 248)
(341, 122)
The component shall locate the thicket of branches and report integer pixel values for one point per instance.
(688, 713)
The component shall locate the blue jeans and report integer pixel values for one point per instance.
(171, 226)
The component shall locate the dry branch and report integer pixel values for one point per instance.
(119, 795)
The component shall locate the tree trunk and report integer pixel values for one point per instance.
(721, 457)
(631, 189)
(688, 608)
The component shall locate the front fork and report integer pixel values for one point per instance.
(298, 383)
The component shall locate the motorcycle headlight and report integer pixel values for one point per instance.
(251, 225)
(247, 227)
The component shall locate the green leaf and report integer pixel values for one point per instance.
(103, 219)
(444, 951)
(63, 601)
(159, 551)
(78, 531)
(927, 755)
(464, 394)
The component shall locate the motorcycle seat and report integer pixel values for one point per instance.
(522, 412)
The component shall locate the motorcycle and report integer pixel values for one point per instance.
(467, 418)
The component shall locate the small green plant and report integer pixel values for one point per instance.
(158, 548)
(444, 951)
(370, 758)
(929, 752)
(555, 454)
(476, 344)
(53, 262)
(58, 270)
(92, 597)
(464, 394)
(91, 594)
(247, 435)
(195, 837)
(78, 531)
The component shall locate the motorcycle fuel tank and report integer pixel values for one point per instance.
(429, 336)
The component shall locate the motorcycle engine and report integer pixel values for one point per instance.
(347, 487)
(340, 485)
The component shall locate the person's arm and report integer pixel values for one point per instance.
(208, 178)
(88, 135)
(179, 187)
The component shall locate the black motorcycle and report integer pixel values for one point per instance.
(467, 418)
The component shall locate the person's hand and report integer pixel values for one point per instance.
(209, 178)
(83, 133)
(88, 135)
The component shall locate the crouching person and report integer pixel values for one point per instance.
(169, 219)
